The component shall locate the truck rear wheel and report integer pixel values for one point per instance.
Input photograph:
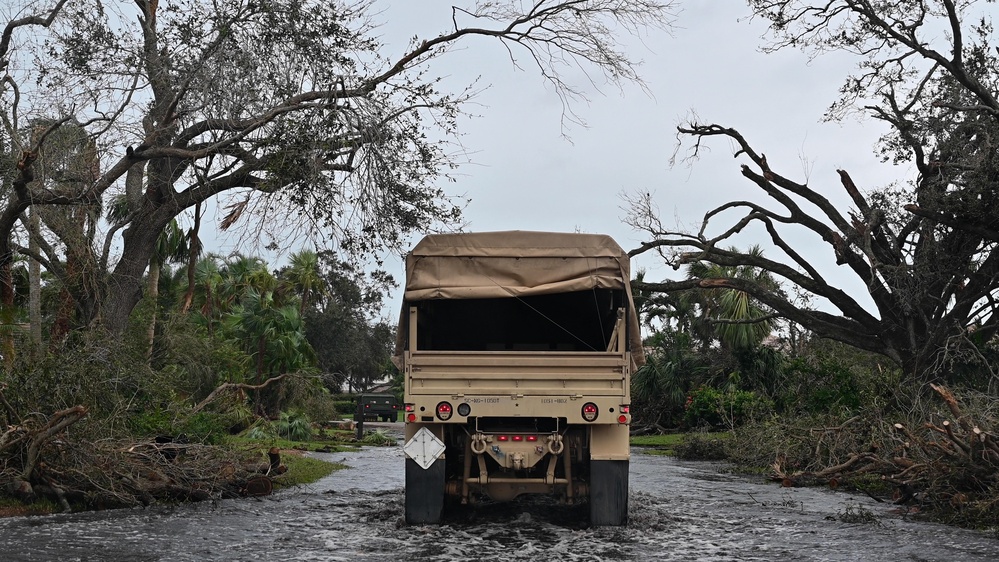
(608, 493)
(424, 492)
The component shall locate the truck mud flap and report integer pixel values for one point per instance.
(608, 493)
(424, 492)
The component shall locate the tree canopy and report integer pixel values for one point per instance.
(286, 113)
(924, 248)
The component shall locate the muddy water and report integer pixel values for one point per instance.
(678, 510)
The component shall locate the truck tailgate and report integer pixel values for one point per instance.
(528, 373)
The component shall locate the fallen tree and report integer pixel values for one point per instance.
(945, 462)
(39, 459)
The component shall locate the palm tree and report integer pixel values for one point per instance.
(170, 246)
(272, 334)
(671, 370)
(221, 285)
(241, 274)
(733, 316)
(207, 280)
(652, 306)
(194, 252)
(660, 381)
(303, 274)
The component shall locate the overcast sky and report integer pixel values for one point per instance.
(528, 172)
(527, 168)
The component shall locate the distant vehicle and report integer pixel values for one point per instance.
(517, 350)
(379, 405)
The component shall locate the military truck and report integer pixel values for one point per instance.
(378, 405)
(517, 350)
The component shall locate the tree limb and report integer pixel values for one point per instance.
(233, 386)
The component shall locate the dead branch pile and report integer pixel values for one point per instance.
(949, 460)
(38, 458)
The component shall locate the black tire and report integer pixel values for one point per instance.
(608, 493)
(424, 493)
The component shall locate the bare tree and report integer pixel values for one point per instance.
(924, 251)
(286, 109)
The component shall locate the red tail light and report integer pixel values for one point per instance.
(444, 411)
(518, 437)
(590, 411)
(622, 419)
(532, 437)
(502, 437)
(411, 417)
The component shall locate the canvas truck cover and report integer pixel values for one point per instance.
(516, 263)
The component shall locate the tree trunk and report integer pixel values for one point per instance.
(125, 288)
(34, 286)
(192, 260)
(61, 324)
(7, 305)
(154, 294)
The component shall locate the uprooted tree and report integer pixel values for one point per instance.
(287, 110)
(925, 250)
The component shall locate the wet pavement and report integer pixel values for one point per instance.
(678, 511)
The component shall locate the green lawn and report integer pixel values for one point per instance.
(304, 470)
(658, 444)
(667, 444)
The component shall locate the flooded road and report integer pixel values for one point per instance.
(678, 510)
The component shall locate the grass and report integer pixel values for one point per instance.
(304, 470)
(658, 444)
(10, 507)
(670, 444)
(859, 515)
(324, 445)
(665, 440)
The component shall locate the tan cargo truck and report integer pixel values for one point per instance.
(517, 349)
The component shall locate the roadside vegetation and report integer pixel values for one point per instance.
(196, 411)
(823, 413)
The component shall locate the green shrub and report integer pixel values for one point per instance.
(293, 425)
(345, 408)
(263, 431)
(701, 447)
(825, 386)
(716, 409)
(206, 427)
(152, 421)
(192, 361)
(378, 438)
